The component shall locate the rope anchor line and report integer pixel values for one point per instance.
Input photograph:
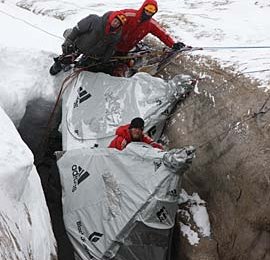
(234, 47)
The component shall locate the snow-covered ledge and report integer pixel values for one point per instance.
(25, 226)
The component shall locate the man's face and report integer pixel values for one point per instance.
(148, 13)
(115, 23)
(136, 134)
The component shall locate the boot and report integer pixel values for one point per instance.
(56, 67)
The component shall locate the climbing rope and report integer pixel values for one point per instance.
(74, 75)
(32, 25)
(66, 82)
(63, 88)
(197, 79)
(234, 47)
(261, 111)
(255, 71)
(233, 126)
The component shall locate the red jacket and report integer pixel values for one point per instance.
(123, 138)
(134, 30)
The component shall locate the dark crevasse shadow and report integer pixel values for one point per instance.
(44, 140)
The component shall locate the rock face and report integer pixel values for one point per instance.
(231, 169)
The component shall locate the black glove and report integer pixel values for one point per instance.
(178, 46)
(68, 46)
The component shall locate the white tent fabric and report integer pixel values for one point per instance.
(95, 104)
(111, 196)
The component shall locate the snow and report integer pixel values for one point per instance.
(221, 23)
(192, 236)
(197, 212)
(32, 35)
(25, 222)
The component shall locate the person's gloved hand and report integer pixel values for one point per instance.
(68, 47)
(178, 46)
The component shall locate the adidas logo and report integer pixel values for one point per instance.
(162, 214)
(83, 239)
(83, 95)
(159, 102)
(166, 112)
(172, 193)
(157, 164)
(79, 175)
(94, 237)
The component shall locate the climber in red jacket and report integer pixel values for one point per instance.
(132, 132)
(139, 24)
